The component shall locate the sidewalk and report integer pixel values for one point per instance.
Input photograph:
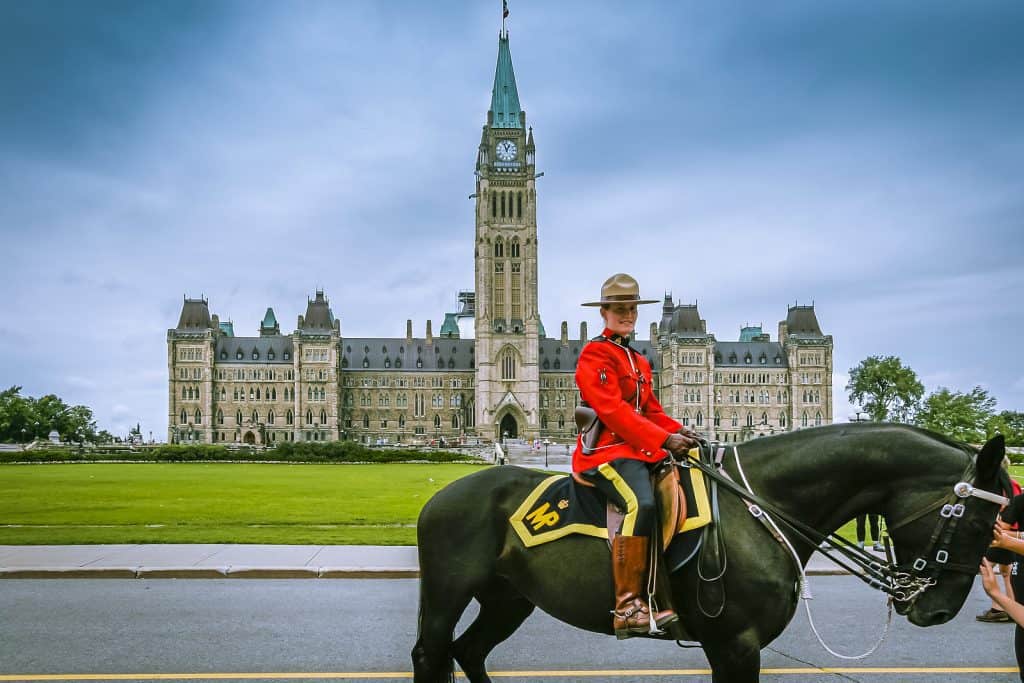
(231, 561)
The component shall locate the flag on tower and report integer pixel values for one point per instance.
(504, 9)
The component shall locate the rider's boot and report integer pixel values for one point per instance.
(632, 615)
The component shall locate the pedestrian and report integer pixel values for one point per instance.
(615, 381)
(872, 521)
(1002, 559)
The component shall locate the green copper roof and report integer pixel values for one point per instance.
(504, 97)
(269, 320)
(747, 334)
(540, 329)
(228, 328)
(450, 328)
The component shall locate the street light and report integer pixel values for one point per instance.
(546, 444)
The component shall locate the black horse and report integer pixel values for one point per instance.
(823, 477)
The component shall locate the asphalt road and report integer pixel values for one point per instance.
(364, 629)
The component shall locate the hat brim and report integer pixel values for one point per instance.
(620, 301)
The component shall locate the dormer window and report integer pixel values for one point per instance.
(419, 362)
(239, 355)
(287, 356)
(223, 355)
(777, 360)
(366, 362)
(255, 354)
(271, 355)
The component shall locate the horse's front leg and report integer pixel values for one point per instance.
(735, 660)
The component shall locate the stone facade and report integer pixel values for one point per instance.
(510, 379)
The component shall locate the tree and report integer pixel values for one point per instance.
(1010, 424)
(965, 417)
(24, 418)
(885, 388)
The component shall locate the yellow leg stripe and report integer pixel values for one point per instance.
(632, 509)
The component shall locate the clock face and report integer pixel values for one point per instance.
(506, 150)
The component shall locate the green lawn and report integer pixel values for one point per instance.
(223, 503)
(217, 503)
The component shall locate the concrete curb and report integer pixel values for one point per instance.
(243, 573)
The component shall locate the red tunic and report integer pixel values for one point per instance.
(608, 383)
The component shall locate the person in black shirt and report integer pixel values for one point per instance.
(1005, 537)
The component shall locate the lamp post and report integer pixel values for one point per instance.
(860, 416)
(546, 444)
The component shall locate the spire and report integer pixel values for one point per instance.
(269, 326)
(505, 111)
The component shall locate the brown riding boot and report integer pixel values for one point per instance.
(632, 615)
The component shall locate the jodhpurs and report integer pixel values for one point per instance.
(627, 483)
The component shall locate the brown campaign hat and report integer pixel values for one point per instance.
(620, 289)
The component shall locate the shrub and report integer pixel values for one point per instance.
(326, 452)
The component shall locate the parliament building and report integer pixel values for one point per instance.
(490, 371)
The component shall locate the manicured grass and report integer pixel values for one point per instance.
(217, 503)
(224, 503)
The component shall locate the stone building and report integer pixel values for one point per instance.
(499, 376)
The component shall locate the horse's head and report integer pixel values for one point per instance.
(939, 544)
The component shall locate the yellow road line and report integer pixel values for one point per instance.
(367, 675)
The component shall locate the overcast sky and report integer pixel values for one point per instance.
(866, 157)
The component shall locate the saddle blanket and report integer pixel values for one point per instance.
(558, 507)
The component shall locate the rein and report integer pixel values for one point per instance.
(903, 584)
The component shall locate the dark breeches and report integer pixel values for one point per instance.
(627, 483)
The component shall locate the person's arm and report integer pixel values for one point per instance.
(1005, 537)
(988, 581)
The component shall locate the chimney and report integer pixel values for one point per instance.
(654, 333)
(565, 333)
(583, 331)
(301, 323)
(408, 331)
(783, 331)
(430, 334)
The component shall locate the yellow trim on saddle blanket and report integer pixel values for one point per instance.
(700, 496)
(545, 516)
(536, 521)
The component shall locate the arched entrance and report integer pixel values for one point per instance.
(249, 438)
(509, 428)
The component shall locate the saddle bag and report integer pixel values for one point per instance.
(589, 427)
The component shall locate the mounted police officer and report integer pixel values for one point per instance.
(615, 381)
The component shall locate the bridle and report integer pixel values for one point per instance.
(905, 584)
(911, 581)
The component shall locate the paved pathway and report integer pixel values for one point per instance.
(206, 561)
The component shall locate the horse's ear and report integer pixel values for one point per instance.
(991, 457)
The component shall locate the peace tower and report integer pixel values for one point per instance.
(507, 324)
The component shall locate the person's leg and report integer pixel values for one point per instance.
(860, 530)
(1018, 648)
(627, 482)
(874, 523)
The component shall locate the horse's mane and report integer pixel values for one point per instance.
(942, 438)
(965, 448)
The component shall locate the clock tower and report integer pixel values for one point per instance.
(507, 321)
